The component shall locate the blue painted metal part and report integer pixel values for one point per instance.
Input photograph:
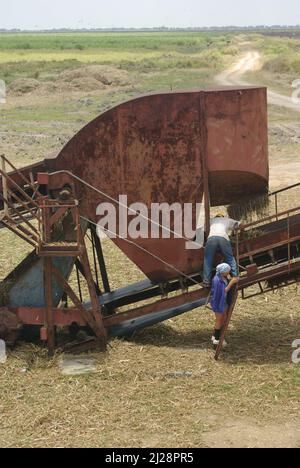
(24, 286)
(127, 291)
(130, 326)
(28, 287)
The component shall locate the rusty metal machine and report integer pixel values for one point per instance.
(207, 147)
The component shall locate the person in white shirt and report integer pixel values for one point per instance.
(218, 241)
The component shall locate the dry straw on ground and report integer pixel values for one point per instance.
(161, 388)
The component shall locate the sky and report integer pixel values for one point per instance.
(49, 14)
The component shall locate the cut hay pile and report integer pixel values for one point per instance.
(23, 86)
(162, 388)
(85, 79)
(250, 209)
(108, 76)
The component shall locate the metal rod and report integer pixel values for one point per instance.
(9, 204)
(268, 247)
(23, 229)
(4, 184)
(276, 205)
(49, 318)
(19, 234)
(269, 218)
(46, 223)
(101, 259)
(94, 258)
(78, 282)
(238, 250)
(8, 178)
(28, 182)
(96, 310)
(285, 189)
(25, 205)
(289, 241)
(86, 314)
(267, 275)
(77, 303)
(81, 270)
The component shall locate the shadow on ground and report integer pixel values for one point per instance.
(253, 339)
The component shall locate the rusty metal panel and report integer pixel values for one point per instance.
(147, 148)
(151, 149)
(271, 235)
(237, 146)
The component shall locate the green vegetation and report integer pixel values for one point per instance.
(50, 74)
(282, 55)
(9, 71)
(32, 55)
(113, 41)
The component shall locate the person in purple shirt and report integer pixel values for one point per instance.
(221, 298)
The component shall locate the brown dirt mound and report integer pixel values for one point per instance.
(85, 79)
(83, 84)
(108, 76)
(23, 86)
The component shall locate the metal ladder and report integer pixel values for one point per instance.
(19, 203)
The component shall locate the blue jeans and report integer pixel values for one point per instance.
(217, 244)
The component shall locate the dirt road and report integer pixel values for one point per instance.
(285, 135)
(250, 62)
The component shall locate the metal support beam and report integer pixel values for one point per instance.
(49, 318)
(203, 147)
(87, 315)
(101, 260)
(4, 184)
(80, 269)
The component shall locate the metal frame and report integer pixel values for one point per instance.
(49, 249)
(100, 313)
(278, 270)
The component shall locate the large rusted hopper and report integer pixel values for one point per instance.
(169, 148)
(207, 147)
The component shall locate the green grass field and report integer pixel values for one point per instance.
(162, 388)
(33, 67)
(130, 51)
(184, 42)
